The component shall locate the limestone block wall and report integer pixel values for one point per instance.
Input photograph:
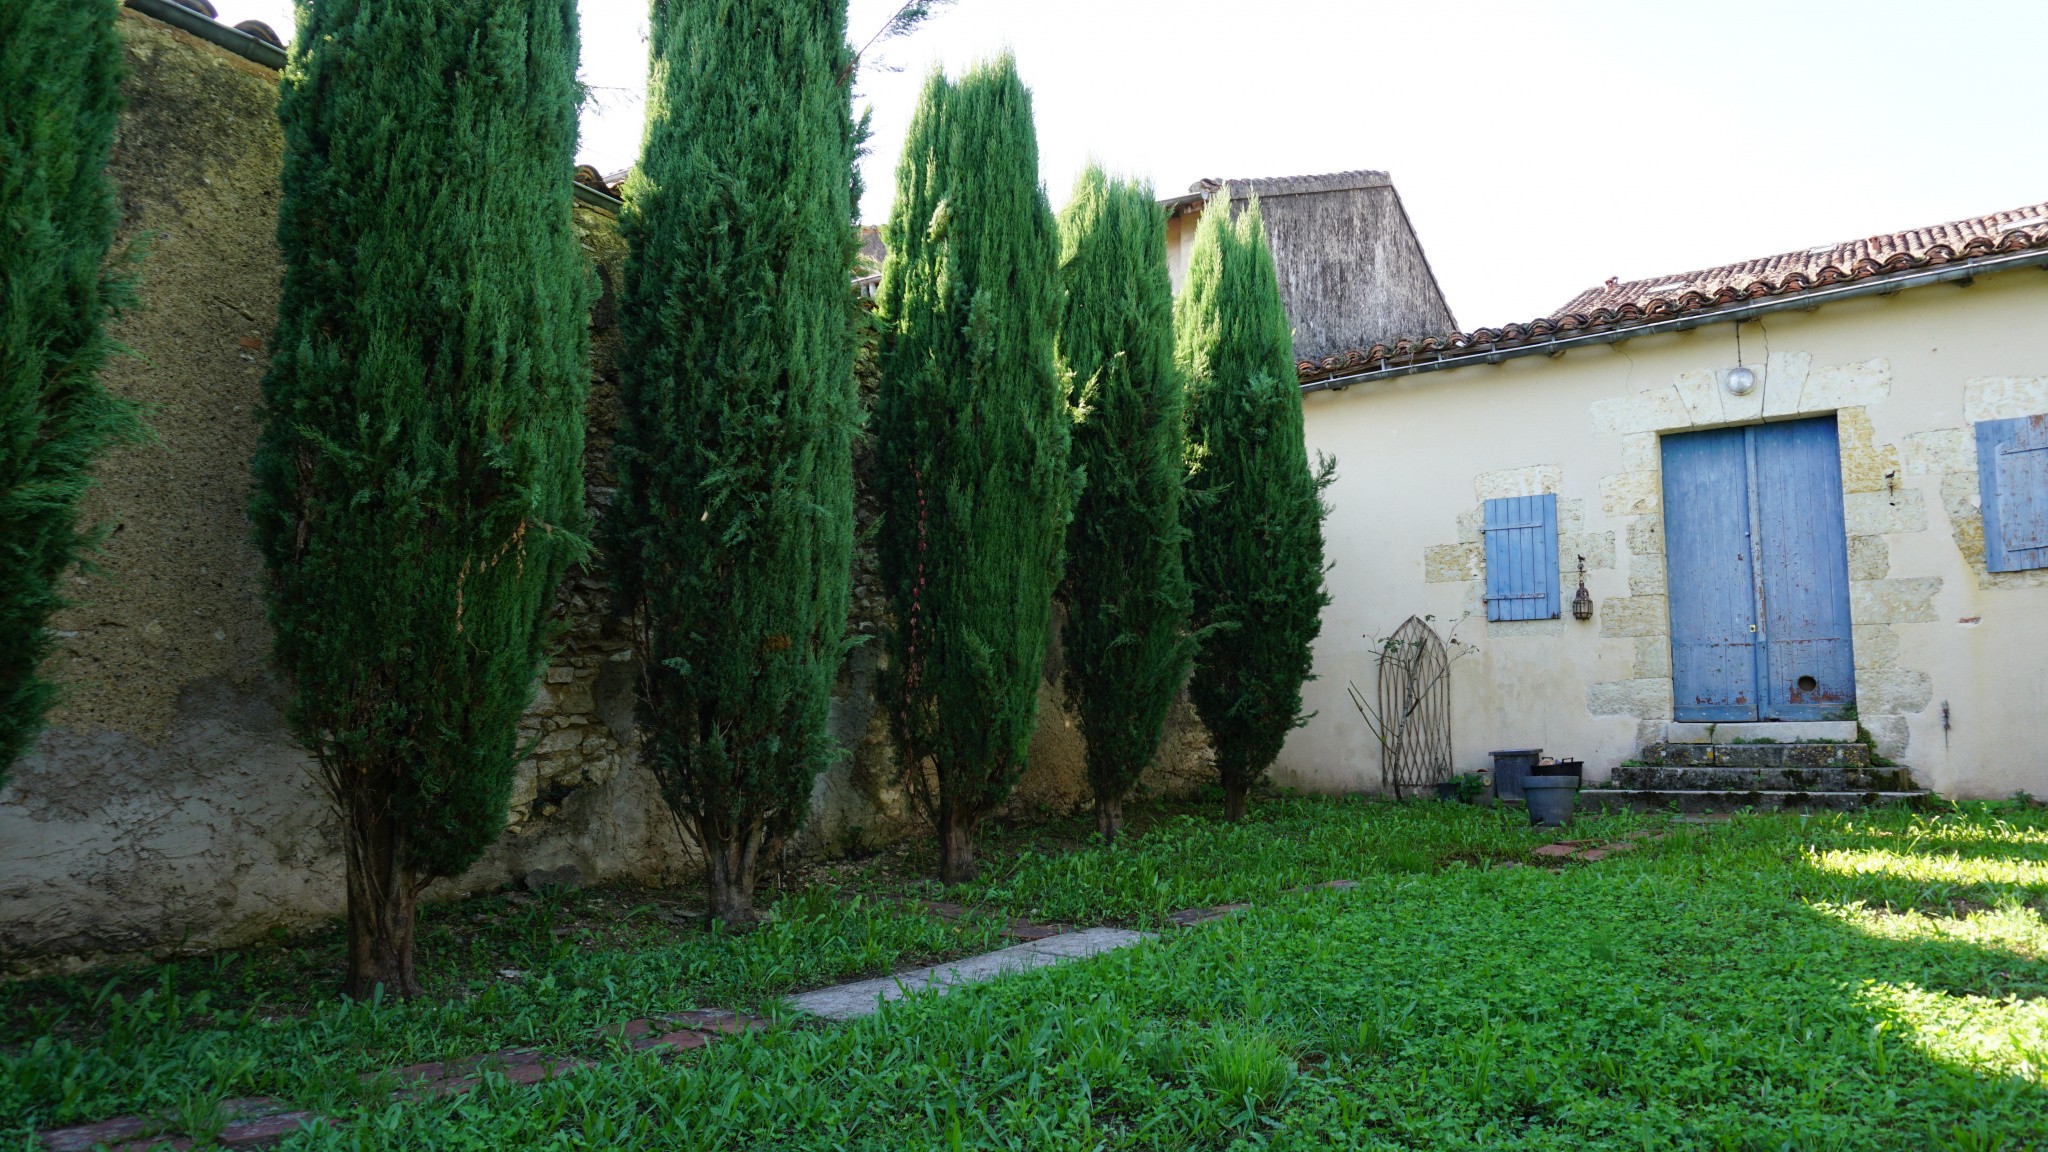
(167, 806)
(1788, 386)
(1950, 659)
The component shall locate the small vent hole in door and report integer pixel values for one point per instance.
(1808, 683)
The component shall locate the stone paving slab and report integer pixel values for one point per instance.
(1325, 886)
(864, 997)
(458, 1077)
(1017, 929)
(119, 1130)
(1189, 917)
(252, 1122)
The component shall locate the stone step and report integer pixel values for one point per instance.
(1730, 800)
(1782, 731)
(1670, 755)
(1714, 778)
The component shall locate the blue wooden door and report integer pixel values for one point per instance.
(1807, 670)
(1709, 575)
(1758, 573)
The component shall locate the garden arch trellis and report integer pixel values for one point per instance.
(1414, 707)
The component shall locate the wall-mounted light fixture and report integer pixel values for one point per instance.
(1740, 381)
(1582, 600)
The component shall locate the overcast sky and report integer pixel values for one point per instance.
(1539, 147)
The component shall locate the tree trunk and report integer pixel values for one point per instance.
(1109, 817)
(382, 898)
(956, 844)
(1234, 794)
(731, 859)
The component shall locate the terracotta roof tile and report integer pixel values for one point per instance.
(1619, 305)
(1810, 263)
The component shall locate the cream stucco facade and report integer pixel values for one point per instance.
(1951, 661)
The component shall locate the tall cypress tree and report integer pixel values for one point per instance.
(1255, 510)
(1126, 640)
(971, 445)
(60, 71)
(419, 480)
(732, 536)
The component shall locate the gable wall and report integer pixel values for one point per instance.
(1351, 270)
(1906, 375)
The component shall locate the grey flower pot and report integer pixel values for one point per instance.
(1551, 799)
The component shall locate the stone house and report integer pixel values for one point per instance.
(1351, 270)
(1808, 489)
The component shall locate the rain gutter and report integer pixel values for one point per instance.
(1557, 345)
(585, 194)
(213, 31)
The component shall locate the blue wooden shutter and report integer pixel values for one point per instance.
(1521, 558)
(2012, 477)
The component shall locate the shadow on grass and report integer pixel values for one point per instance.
(1772, 984)
(1717, 991)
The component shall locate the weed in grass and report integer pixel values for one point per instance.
(1246, 1071)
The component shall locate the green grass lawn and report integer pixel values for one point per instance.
(1840, 982)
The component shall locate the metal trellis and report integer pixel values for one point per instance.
(1415, 707)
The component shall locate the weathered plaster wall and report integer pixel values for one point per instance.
(167, 806)
(1905, 375)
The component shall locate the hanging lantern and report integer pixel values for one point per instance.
(1582, 601)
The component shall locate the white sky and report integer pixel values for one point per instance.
(1539, 146)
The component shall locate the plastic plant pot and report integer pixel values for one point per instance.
(1551, 799)
(1510, 768)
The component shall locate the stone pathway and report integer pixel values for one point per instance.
(865, 997)
(261, 1121)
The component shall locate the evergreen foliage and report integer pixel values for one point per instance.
(1255, 510)
(971, 448)
(418, 480)
(60, 70)
(1126, 641)
(731, 539)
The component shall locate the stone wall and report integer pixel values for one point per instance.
(167, 807)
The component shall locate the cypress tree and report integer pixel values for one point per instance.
(1126, 641)
(1255, 510)
(971, 448)
(60, 70)
(731, 538)
(418, 479)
